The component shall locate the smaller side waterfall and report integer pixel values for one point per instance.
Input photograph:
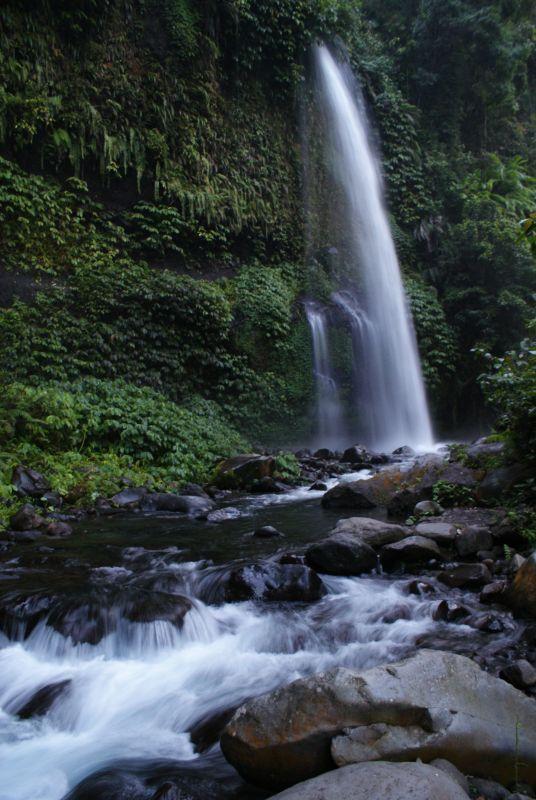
(330, 428)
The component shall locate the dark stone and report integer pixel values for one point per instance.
(158, 606)
(357, 454)
(355, 494)
(193, 490)
(449, 612)
(42, 700)
(489, 623)
(268, 485)
(405, 450)
(52, 499)
(275, 582)
(420, 587)
(167, 501)
(493, 592)
(26, 519)
(427, 508)
(521, 595)
(499, 482)
(128, 498)
(489, 790)
(241, 471)
(469, 576)
(292, 558)
(19, 613)
(481, 451)
(207, 731)
(23, 537)
(28, 482)
(412, 550)
(472, 539)
(324, 454)
(440, 532)
(267, 532)
(522, 675)
(318, 486)
(168, 791)
(341, 554)
(301, 454)
(58, 529)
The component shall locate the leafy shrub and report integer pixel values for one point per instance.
(449, 494)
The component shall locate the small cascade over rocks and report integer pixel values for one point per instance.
(390, 396)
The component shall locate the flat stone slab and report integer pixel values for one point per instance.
(440, 532)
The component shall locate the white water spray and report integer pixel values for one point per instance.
(391, 385)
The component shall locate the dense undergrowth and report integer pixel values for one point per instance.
(152, 233)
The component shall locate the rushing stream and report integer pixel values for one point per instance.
(131, 702)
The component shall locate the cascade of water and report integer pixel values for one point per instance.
(330, 429)
(390, 381)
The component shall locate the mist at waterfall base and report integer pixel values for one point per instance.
(389, 396)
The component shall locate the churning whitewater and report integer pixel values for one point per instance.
(390, 391)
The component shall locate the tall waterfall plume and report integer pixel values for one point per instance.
(392, 401)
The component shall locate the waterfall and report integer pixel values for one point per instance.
(391, 388)
(330, 429)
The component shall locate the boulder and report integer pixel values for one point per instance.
(427, 508)
(357, 454)
(341, 554)
(374, 532)
(466, 576)
(58, 529)
(450, 769)
(441, 532)
(405, 450)
(269, 485)
(268, 532)
(417, 484)
(318, 486)
(129, 497)
(193, 490)
(515, 563)
(23, 537)
(324, 454)
(381, 780)
(521, 595)
(490, 790)
(241, 471)
(493, 592)
(521, 674)
(499, 482)
(412, 550)
(449, 612)
(275, 582)
(433, 705)
(481, 451)
(167, 501)
(472, 539)
(351, 494)
(41, 701)
(26, 519)
(28, 482)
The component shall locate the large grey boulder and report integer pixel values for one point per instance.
(433, 705)
(374, 532)
(411, 550)
(342, 554)
(239, 472)
(185, 504)
(381, 780)
(352, 494)
(441, 532)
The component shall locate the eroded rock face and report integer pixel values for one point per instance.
(433, 705)
(381, 780)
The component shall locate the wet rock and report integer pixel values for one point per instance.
(318, 486)
(481, 451)
(241, 471)
(468, 576)
(351, 494)
(412, 550)
(128, 498)
(452, 772)
(381, 780)
(23, 537)
(341, 554)
(357, 454)
(19, 613)
(472, 539)
(157, 606)
(52, 499)
(168, 791)
(269, 485)
(292, 558)
(433, 705)
(522, 675)
(500, 481)
(193, 490)
(489, 790)
(405, 450)
(324, 454)
(493, 592)
(29, 482)
(186, 504)
(440, 532)
(427, 508)
(379, 458)
(521, 595)
(449, 612)
(303, 453)
(26, 519)
(208, 730)
(275, 582)
(373, 532)
(396, 613)
(58, 529)
(267, 532)
(489, 623)
(84, 622)
(420, 587)
(42, 700)
(224, 514)
(515, 563)
(419, 481)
